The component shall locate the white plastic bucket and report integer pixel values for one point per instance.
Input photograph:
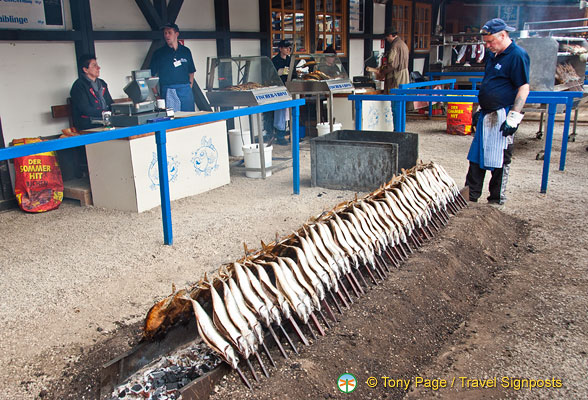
(251, 156)
(323, 128)
(237, 140)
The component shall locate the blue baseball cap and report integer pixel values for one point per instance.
(495, 25)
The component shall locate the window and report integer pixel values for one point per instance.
(422, 27)
(330, 25)
(401, 16)
(289, 22)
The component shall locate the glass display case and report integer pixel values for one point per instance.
(317, 73)
(243, 81)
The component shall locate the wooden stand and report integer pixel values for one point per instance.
(78, 189)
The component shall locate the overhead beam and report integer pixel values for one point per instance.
(161, 9)
(82, 22)
(265, 28)
(221, 19)
(150, 13)
(368, 30)
(173, 10)
(61, 36)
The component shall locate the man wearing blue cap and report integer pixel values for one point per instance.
(502, 95)
(174, 65)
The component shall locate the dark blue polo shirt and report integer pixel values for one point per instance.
(162, 64)
(504, 75)
(279, 63)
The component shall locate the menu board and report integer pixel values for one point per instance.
(31, 14)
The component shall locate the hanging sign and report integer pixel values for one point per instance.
(31, 14)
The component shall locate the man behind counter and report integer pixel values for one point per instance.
(174, 65)
(328, 66)
(281, 62)
(89, 94)
(395, 71)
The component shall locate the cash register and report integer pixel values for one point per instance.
(143, 107)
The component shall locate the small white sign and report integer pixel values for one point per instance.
(31, 14)
(271, 95)
(341, 85)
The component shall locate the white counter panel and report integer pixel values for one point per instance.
(124, 173)
(376, 115)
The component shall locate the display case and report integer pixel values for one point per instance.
(317, 73)
(243, 81)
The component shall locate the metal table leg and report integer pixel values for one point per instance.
(330, 111)
(573, 137)
(318, 109)
(255, 122)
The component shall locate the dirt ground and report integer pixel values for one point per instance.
(77, 283)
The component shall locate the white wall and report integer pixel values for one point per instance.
(418, 64)
(201, 49)
(244, 15)
(355, 57)
(378, 46)
(244, 47)
(67, 15)
(33, 77)
(117, 60)
(124, 15)
(117, 15)
(196, 15)
(379, 18)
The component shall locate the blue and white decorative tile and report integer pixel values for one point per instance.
(205, 159)
(172, 168)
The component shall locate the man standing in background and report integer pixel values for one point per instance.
(502, 95)
(174, 65)
(395, 71)
(281, 62)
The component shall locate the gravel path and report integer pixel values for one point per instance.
(73, 275)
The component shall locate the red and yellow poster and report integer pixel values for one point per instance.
(38, 183)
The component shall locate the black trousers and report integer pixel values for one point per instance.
(497, 186)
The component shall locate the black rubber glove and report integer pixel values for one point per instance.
(508, 130)
(510, 125)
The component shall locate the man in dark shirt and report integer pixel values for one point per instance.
(281, 62)
(329, 67)
(89, 94)
(502, 95)
(174, 65)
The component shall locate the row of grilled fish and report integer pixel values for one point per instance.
(300, 277)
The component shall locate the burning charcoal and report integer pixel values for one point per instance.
(193, 373)
(159, 383)
(170, 377)
(157, 375)
(172, 386)
(136, 388)
(175, 368)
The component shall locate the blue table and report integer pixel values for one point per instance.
(552, 99)
(160, 129)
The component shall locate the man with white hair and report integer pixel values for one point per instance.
(502, 95)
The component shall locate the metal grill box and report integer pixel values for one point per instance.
(360, 160)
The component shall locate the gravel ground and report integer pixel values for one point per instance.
(73, 276)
